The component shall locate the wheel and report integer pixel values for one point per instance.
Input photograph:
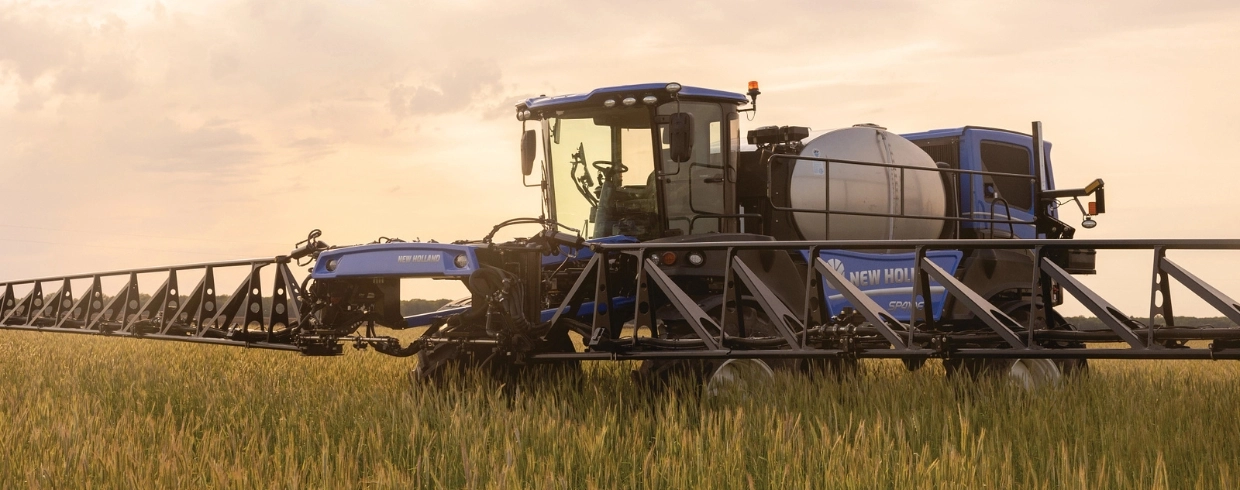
(1033, 373)
(1025, 373)
(552, 371)
(659, 372)
(1069, 367)
(738, 377)
(441, 363)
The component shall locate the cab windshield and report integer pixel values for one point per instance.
(603, 172)
(603, 169)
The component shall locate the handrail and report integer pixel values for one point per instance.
(958, 173)
(952, 244)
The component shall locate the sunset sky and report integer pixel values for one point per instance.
(148, 133)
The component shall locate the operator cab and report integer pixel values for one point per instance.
(647, 161)
(1012, 196)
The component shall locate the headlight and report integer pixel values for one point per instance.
(331, 264)
(695, 259)
(460, 261)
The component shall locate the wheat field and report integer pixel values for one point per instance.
(92, 412)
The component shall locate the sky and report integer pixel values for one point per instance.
(142, 133)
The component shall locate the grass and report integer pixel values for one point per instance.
(78, 411)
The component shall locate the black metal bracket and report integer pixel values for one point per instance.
(602, 304)
(1110, 315)
(1221, 302)
(776, 311)
(23, 307)
(701, 323)
(814, 312)
(576, 295)
(987, 312)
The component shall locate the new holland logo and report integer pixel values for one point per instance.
(836, 264)
(407, 259)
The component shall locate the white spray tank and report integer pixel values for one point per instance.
(867, 189)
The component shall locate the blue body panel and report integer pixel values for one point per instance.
(435, 260)
(887, 279)
(972, 200)
(418, 259)
(638, 90)
(934, 134)
(404, 259)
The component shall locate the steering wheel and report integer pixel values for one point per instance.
(608, 167)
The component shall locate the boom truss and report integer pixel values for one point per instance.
(634, 326)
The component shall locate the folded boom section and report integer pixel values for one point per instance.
(244, 318)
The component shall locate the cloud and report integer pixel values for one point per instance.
(460, 89)
(31, 45)
(86, 58)
(165, 146)
(184, 118)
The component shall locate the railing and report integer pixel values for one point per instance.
(958, 174)
(816, 332)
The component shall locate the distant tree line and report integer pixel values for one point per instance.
(417, 306)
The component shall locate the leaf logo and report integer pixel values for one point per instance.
(836, 264)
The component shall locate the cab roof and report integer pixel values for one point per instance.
(597, 96)
(956, 132)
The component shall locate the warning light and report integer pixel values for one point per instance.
(753, 97)
(668, 258)
(1093, 208)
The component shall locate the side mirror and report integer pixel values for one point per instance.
(528, 149)
(680, 136)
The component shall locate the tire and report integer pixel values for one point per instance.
(1028, 373)
(1069, 367)
(737, 378)
(1025, 373)
(657, 373)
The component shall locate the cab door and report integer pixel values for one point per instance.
(697, 194)
(1001, 197)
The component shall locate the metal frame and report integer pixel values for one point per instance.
(814, 332)
(166, 314)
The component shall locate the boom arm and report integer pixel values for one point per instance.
(279, 318)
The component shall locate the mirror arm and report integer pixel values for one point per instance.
(1093, 187)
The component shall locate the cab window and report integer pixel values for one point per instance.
(1012, 159)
